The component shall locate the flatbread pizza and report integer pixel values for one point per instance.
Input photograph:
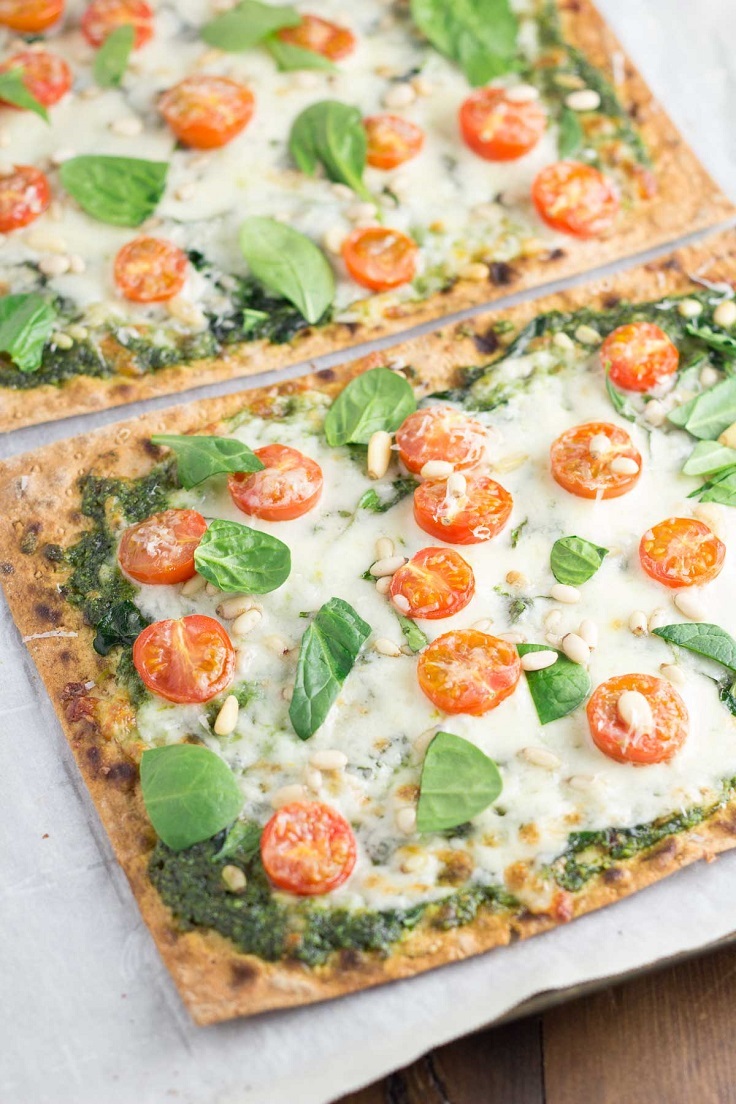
(192, 194)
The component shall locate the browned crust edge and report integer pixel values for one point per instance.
(688, 200)
(39, 497)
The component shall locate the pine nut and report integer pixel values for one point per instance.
(413, 863)
(599, 445)
(576, 649)
(512, 637)
(521, 93)
(436, 469)
(287, 794)
(657, 618)
(130, 126)
(553, 639)
(227, 718)
(306, 79)
(77, 333)
(233, 607)
(635, 711)
(401, 603)
(561, 592)
(313, 779)
(562, 341)
(476, 272)
(516, 579)
(725, 314)
(709, 376)
(457, 485)
(624, 465)
(673, 673)
(185, 191)
(586, 335)
(588, 631)
(331, 759)
(278, 644)
(361, 212)
(638, 623)
(538, 661)
(242, 660)
(509, 463)
(379, 454)
(399, 95)
(333, 238)
(421, 742)
(422, 86)
(540, 757)
(553, 619)
(43, 242)
(384, 548)
(193, 586)
(383, 585)
(386, 647)
(62, 341)
(406, 820)
(389, 566)
(56, 265)
(690, 606)
(484, 625)
(234, 878)
(211, 590)
(583, 99)
(690, 308)
(246, 622)
(581, 782)
(655, 413)
(728, 437)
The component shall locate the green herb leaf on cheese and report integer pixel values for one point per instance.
(480, 35)
(619, 402)
(708, 414)
(376, 399)
(570, 135)
(399, 490)
(248, 24)
(574, 560)
(243, 841)
(328, 651)
(14, 90)
(722, 342)
(331, 134)
(516, 533)
(190, 794)
(290, 58)
(198, 458)
(240, 560)
(556, 690)
(26, 323)
(705, 640)
(415, 638)
(122, 624)
(458, 782)
(122, 191)
(709, 457)
(111, 60)
(722, 489)
(290, 264)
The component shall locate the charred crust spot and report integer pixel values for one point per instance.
(728, 822)
(94, 758)
(46, 613)
(65, 656)
(243, 973)
(486, 342)
(29, 540)
(667, 848)
(6, 568)
(154, 451)
(350, 959)
(122, 775)
(351, 327)
(556, 254)
(610, 302)
(501, 274)
(327, 375)
(613, 875)
(672, 264)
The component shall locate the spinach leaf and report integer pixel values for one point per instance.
(247, 24)
(458, 782)
(290, 264)
(122, 191)
(239, 560)
(111, 59)
(558, 689)
(242, 841)
(721, 490)
(289, 57)
(198, 458)
(570, 136)
(415, 638)
(574, 560)
(331, 134)
(376, 399)
(516, 533)
(703, 639)
(619, 402)
(709, 457)
(400, 488)
(480, 35)
(327, 654)
(708, 414)
(26, 323)
(14, 90)
(190, 793)
(722, 342)
(122, 624)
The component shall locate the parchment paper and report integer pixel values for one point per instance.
(87, 1012)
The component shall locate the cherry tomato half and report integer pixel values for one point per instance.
(102, 17)
(206, 111)
(320, 36)
(436, 582)
(30, 16)
(149, 270)
(46, 76)
(161, 548)
(618, 740)
(308, 848)
(575, 199)
(440, 433)
(379, 258)
(638, 356)
(186, 661)
(476, 514)
(681, 552)
(24, 195)
(584, 465)
(498, 128)
(391, 140)
(467, 671)
(288, 486)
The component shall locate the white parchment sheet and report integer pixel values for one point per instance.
(88, 1014)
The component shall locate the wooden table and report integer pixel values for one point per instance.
(664, 1038)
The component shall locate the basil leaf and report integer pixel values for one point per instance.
(190, 794)
(376, 399)
(243, 840)
(290, 264)
(722, 490)
(480, 35)
(111, 60)
(239, 560)
(556, 690)
(122, 191)
(724, 343)
(619, 402)
(198, 458)
(516, 533)
(122, 624)
(327, 654)
(247, 24)
(415, 638)
(458, 782)
(14, 90)
(574, 560)
(400, 489)
(709, 457)
(331, 134)
(289, 57)
(703, 639)
(570, 134)
(707, 415)
(26, 324)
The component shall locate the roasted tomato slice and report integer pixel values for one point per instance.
(440, 433)
(380, 258)
(30, 16)
(161, 548)
(467, 671)
(575, 199)
(681, 552)
(435, 583)
(638, 356)
(206, 112)
(585, 465)
(102, 17)
(391, 140)
(288, 486)
(463, 509)
(186, 661)
(320, 36)
(632, 730)
(149, 270)
(308, 848)
(45, 75)
(498, 128)
(24, 195)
